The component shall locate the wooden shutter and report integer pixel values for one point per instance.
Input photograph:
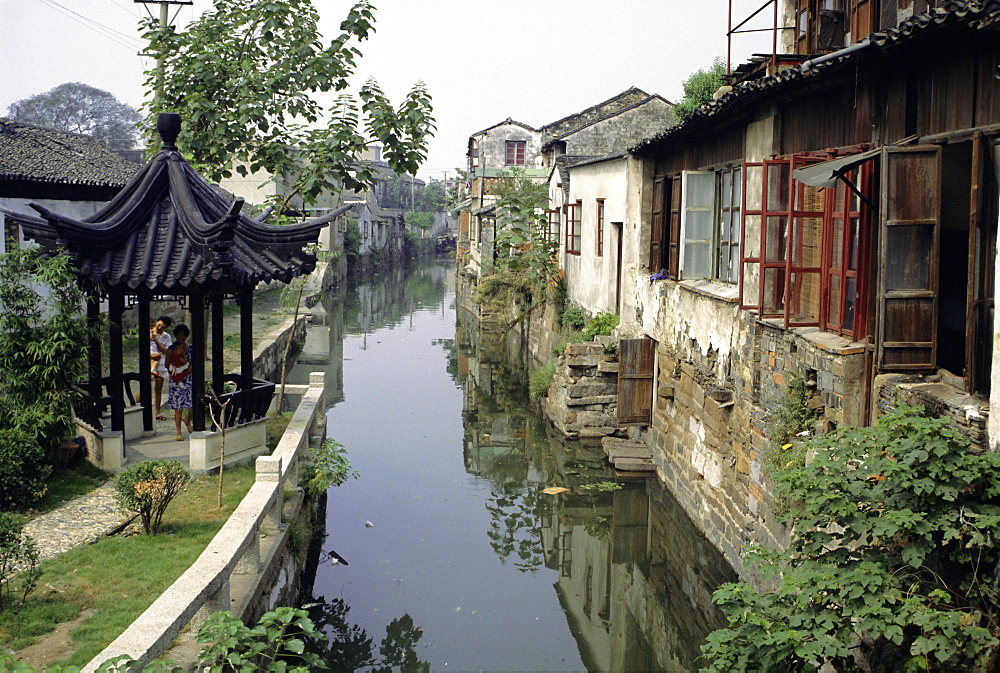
(909, 245)
(674, 228)
(635, 381)
(656, 228)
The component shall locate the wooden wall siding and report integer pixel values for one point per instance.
(988, 88)
(822, 120)
(722, 147)
(945, 96)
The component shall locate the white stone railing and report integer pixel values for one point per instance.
(236, 552)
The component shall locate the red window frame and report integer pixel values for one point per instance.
(515, 152)
(804, 260)
(573, 227)
(846, 258)
(600, 227)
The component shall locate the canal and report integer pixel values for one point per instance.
(454, 556)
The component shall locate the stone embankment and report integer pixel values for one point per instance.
(583, 399)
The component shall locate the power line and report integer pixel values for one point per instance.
(99, 28)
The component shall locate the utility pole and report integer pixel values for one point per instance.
(164, 23)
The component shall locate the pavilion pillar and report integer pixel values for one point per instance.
(246, 338)
(218, 338)
(145, 381)
(116, 386)
(93, 342)
(199, 343)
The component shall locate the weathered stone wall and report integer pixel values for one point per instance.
(583, 399)
(714, 404)
(267, 357)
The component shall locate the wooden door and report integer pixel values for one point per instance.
(635, 381)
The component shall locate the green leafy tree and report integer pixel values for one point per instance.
(42, 333)
(242, 77)
(525, 264)
(79, 108)
(278, 642)
(455, 192)
(699, 87)
(893, 562)
(328, 466)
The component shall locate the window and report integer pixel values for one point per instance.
(573, 227)
(552, 232)
(515, 153)
(804, 249)
(474, 155)
(664, 237)
(705, 218)
(600, 227)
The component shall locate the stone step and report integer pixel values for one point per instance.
(616, 448)
(634, 464)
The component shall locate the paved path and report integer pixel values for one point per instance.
(80, 521)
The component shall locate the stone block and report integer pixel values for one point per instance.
(665, 392)
(607, 367)
(591, 401)
(592, 389)
(697, 397)
(742, 461)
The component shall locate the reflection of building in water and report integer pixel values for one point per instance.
(635, 578)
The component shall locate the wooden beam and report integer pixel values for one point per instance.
(145, 382)
(218, 338)
(246, 338)
(199, 343)
(116, 387)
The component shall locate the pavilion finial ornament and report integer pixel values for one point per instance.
(168, 125)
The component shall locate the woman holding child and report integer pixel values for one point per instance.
(179, 391)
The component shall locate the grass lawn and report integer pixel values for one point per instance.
(119, 577)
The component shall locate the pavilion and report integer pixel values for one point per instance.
(169, 235)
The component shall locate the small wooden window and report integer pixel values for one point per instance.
(636, 359)
(552, 233)
(515, 153)
(656, 230)
(600, 227)
(573, 227)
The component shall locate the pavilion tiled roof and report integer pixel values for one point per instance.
(169, 230)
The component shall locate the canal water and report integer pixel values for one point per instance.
(449, 552)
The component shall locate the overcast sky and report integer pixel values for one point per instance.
(482, 60)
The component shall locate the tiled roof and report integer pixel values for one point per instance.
(506, 121)
(977, 14)
(36, 154)
(168, 230)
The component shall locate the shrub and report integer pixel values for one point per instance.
(24, 467)
(148, 487)
(572, 317)
(329, 467)
(892, 563)
(602, 324)
(18, 561)
(541, 379)
(279, 638)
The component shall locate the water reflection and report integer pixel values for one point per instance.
(349, 647)
(488, 570)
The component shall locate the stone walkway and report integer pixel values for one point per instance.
(80, 521)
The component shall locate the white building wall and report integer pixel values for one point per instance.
(591, 279)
